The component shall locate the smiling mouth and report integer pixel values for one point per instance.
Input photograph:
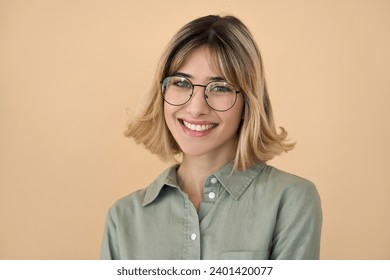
(198, 127)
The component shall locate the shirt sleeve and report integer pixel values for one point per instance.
(110, 249)
(298, 227)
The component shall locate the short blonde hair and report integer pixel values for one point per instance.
(237, 58)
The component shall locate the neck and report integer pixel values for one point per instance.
(199, 167)
(192, 173)
(194, 170)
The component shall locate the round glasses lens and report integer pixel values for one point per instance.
(176, 90)
(221, 96)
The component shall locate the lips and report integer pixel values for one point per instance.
(198, 126)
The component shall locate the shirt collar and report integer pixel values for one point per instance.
(167, 178)
(235, 183)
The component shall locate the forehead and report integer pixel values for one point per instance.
(200, 57)
(198, 63)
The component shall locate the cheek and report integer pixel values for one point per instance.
(165, 112)
(237, 117)
(166, 116)
(169, 114)
(236, 114)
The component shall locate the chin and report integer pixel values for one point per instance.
(192, 152)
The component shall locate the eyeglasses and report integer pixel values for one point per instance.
(219, 95)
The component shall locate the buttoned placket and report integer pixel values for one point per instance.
(211, 189)
(193, 218)
(192, 232)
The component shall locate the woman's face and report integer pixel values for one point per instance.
(198, 129)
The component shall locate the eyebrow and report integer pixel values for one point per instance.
(188, 76)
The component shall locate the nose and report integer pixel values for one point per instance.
(198, 106)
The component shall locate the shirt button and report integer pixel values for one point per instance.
(213, 180)
(212, 195)
(193, 236)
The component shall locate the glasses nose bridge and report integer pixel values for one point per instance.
(197, 85)
(202, 95)
(204, 92)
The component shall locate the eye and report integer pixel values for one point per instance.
(220, 88)
(182, 83)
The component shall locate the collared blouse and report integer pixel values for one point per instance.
(261, 213)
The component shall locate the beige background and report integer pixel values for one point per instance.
(69, 69)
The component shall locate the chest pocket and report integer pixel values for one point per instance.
(245, 255)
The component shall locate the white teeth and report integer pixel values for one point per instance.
(198, 127)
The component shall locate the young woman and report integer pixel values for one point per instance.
(209, 109)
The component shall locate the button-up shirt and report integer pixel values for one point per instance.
(261, 213)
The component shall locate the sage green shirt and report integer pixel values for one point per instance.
(262, 213)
